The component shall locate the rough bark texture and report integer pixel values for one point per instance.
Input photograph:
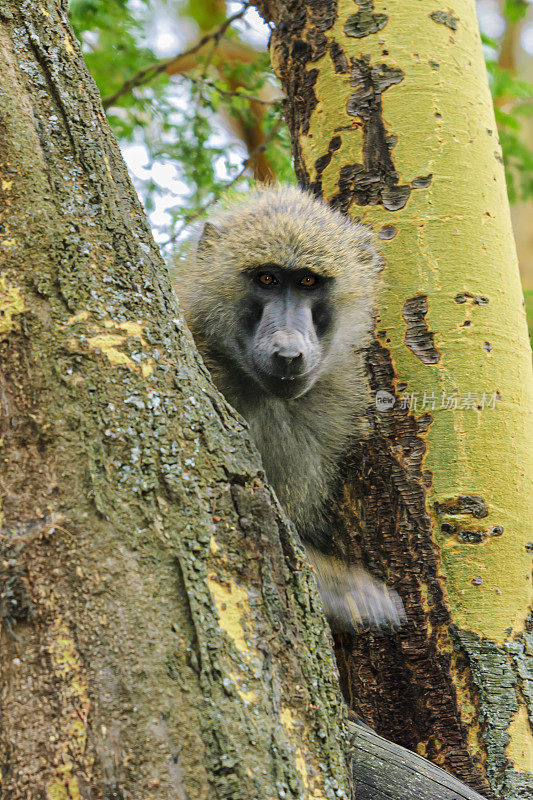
(391, 120)
(155, 643)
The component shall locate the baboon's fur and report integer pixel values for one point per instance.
(301, 440)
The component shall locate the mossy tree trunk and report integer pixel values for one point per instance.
(391, 121)
(154, 643)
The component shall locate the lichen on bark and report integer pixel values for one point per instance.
(155, 642)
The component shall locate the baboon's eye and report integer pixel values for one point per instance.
(309, 281)
(267, 279)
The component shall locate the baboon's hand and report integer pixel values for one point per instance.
(357, 600)
(353, 599)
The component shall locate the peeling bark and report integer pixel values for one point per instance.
(391, 121)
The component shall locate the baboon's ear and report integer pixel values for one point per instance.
(210, 234)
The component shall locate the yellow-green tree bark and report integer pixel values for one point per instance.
(391, 121)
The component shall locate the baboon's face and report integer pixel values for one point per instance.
(284, 327)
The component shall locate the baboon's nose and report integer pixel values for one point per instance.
(287, 353)
(287, 360)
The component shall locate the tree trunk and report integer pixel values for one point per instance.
(391, 120)
(154, 643)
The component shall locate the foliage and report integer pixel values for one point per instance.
(184, 121)
(515, 10)
(187, 120)
(512, 103)
(208, 165)
(528, 297)
(114, 46)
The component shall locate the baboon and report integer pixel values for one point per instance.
(279, 296)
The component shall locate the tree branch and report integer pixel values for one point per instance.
(147, 74)
(227, 93)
